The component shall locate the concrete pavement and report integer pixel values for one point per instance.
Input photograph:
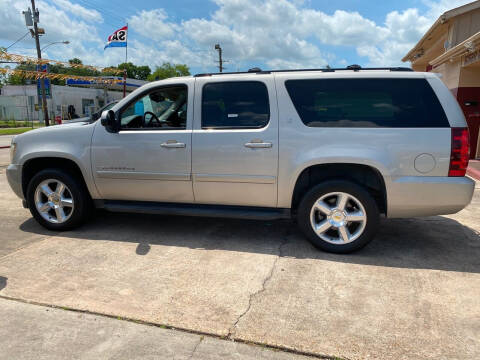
(474, 169)
(411, 294)
(49, 333)
(11, 237)
(5, 140)
(4, 157)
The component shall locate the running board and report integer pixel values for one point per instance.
(223, 211)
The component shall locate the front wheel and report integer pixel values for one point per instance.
(338, 216)
(57, 200)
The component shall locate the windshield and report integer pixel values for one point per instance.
(95, 116)
(108, 106)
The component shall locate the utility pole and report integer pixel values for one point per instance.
(220, 61)
(39, 55)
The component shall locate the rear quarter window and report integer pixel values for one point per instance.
(386, 102)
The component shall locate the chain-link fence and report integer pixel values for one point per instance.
(18, 111)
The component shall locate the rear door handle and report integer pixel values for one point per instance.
(258, 145)
(172, 144)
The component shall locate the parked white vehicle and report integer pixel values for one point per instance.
(94, 117)
(333, 148)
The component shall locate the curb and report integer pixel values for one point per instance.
(473, 173)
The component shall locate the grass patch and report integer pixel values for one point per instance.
(14, 131)
(14, 124)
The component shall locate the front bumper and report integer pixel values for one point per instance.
(411, 196)
(14, 177)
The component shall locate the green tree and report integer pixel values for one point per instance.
(76, 61)
(168, 70)
(134, 71)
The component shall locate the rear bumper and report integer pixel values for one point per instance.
(14, 177)
(428, 195)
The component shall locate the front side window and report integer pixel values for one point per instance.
(366, 103)
(235, 104)
(161, 109)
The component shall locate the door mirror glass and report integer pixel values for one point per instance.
(109, 121)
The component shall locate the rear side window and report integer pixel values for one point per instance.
(239, 104)
(366, 103)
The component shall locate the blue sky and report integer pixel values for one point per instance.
(264, 33)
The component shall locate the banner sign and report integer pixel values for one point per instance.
(118, 38)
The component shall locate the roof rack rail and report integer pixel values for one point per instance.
(353, 67)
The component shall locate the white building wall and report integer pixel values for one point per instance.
(14, 100)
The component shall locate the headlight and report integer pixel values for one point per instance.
(13, 149)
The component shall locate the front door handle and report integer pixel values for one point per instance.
(258, 145)
(172, 144)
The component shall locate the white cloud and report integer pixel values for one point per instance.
(152, 24)
(404, 29)
(437, 8)
(257, 32)
(80, 11)
(341, 28)
(268, 33)
(11, 14)
(58, 25)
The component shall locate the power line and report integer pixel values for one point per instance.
(8, 47)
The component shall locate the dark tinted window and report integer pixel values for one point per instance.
(235, 105)
(366, 103)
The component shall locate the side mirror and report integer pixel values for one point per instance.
(108, 120)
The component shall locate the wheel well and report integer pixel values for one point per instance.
(363, 175)
(33, 166)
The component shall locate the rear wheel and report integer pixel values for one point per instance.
(57, 200)
(338, 216)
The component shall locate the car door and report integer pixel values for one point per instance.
(235, 141)
(149, 159)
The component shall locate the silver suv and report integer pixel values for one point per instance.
(333, 148)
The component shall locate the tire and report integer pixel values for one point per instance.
(74, 200)
(331, 221)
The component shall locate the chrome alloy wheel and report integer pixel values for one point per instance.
(54, 201)
(338, 218)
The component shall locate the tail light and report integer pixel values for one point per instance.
(460, 152)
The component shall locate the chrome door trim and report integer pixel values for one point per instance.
(139, 175)
(235, 178)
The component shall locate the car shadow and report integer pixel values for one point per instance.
(435, 242)
(3, 282)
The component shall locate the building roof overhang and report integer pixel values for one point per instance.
(467, 46)
(412, 55)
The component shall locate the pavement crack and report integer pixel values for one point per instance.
(231, 331)
(196, 346)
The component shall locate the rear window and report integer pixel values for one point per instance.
(366, 103)
(235, 104)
